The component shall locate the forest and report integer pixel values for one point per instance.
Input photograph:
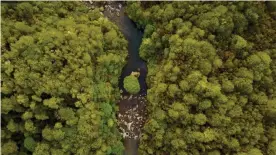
(60, 67)
(211, 78)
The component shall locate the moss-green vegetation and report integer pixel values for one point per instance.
(211, 78)
(60, 67)
(131, 84)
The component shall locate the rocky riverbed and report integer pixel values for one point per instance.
(131, 116)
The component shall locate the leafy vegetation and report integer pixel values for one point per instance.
(131, 84)
(60, 67)
(211, 77)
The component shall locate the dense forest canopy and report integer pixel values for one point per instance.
(60, 67)
(211, 78)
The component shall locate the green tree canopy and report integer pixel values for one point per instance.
(211, 69)
(131, 84)
(60, 66)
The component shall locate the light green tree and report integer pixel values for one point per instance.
(131, 84)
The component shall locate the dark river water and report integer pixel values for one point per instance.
(134, 37)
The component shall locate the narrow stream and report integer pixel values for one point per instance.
(134, 37)
(132, 108)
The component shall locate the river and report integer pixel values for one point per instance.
(134, 37)
(132, 108)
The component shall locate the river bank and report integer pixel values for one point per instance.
(132, 108)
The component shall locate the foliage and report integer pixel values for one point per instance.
(211, 77)
(30, 144)
(60, 65)
(131, 84)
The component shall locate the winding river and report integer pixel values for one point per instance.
(134, 37)
(132, 108)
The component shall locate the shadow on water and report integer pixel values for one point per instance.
(134, 62)
(134, 37)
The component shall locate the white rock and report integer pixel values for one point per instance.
(129, 125)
